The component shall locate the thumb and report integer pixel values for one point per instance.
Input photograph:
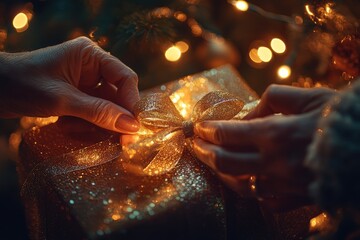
(101, 112)
(285, 100)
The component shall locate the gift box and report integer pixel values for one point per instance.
(77, 183)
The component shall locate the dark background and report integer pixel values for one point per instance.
(129, 30)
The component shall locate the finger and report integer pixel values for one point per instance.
(227, 162)
(232, 133)
(104, 90)
(101, 112)
(126, 140)
(269, 133)
(287, 100)
(115, 72)
(125, 79)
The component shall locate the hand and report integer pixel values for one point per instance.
(266, 143)
(76, 78)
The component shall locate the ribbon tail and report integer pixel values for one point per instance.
(91, 156)
(168, 156)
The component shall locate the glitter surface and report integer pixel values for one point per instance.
(77, 176)
(162, 149)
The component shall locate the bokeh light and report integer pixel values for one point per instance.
(253, 54)
(264, 54)
(183, 46)
(284, 72)
(3, 37)
(173, 54)
(21, 22)
(180, 16)
(278, 45)
(242, 5)
(299, 20)
(195, 27)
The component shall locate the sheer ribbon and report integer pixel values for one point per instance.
(164, 133)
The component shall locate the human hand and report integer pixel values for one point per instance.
(65, 80)
(265, 144)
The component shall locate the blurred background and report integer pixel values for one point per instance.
(302, 43)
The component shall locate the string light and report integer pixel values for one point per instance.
(264, 54)
(284, 71)
(195, 27)
(183, 46)
(253, 54)
(21, 22)
(241, 5)
(309, 12)
(173, 54)
(278, 45)
(244, 6)
(319, 223)
(180, 16)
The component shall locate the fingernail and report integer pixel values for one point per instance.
(127, 124)
(199, 125)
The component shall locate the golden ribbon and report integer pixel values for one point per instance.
(161, 147)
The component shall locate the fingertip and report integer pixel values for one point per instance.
(127, 90)
(203, 152)
(102, 113)
(202, 128)
(127, 124)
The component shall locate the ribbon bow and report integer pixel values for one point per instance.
(166, 131)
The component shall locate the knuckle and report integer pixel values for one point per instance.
(219, 134)
(101, 112)
(271, 131)
(52, 95)
(84, 41)
(130, 77)
(271, 91)
(324, 93)
(134, 76)
(218, 159)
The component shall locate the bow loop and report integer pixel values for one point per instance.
(156, 111)
(217, 105)
(160, 151)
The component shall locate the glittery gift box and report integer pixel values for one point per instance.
(75, 186)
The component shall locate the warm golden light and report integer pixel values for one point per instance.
(278, 45)
(173, 54)
(196, 30)
(28, 122)
(195, 27)
(307, 8)
(264, 54)
(180, 16)
(183, 46)
(253, 54)
(3, 37)
(299, 20)
(319, 222)
(242, 5)
(284, 72)
(328, 8)
(20, 22)
(116, 217)
(162, 12)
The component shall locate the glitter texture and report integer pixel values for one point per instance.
(75, 175)
(163, 148)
